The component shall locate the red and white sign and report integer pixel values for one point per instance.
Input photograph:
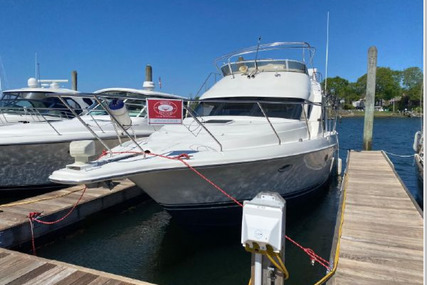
(164, 111)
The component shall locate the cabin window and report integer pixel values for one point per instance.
(285, 110)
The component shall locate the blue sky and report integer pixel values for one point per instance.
(109, 42)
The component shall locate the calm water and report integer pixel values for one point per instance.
(143, 242)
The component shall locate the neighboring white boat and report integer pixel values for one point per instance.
(31, 152)
(33, 104)
(418, 147)
(262, 127)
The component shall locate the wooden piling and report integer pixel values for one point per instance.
(74, 80)
(370, 98)
(148, 73)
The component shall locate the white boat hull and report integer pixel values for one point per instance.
(291, 176)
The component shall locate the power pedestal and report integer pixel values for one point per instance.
(263, 234)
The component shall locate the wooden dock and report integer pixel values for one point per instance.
(14, 223)
(18, 268)
(380, 237)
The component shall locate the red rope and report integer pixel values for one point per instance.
(60, 219)
(33, 243)
(34, 217)
(313, 256)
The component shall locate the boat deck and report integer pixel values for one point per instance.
(18, 268)
(381, 239)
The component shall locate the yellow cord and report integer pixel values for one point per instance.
(284, 270)
(39, 200)
(337, 251)
(280, 266)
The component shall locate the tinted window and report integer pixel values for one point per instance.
(278, 110)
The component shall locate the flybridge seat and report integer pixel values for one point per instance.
(264, 65)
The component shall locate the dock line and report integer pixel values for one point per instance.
(34, 217)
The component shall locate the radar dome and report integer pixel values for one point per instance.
(32, 82)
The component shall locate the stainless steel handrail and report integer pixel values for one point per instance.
(306, 122)
(268, 120)
(84, 124)
(196, 117)
(118, 123)
(203, 126)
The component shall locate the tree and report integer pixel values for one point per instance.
(336, 86)
(387, 84)
(412, 84)
(340, 88)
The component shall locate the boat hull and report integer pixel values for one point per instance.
(24, 166)
(180, 190)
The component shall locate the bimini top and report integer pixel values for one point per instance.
(250, 73)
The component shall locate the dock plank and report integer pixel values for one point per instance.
(19, 268)
(381, 238)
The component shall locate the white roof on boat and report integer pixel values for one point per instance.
(150, 93)
(41, 90)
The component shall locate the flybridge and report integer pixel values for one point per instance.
(235, 63)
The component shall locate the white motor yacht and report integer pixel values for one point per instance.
(263, 127)
(31, 152)
(33, 104)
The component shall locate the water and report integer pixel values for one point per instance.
(143, 242)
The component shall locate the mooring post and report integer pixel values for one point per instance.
(74, 80)
(370, 98)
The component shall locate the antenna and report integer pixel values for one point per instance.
(327, 52)
(256, 55)
(36, 67)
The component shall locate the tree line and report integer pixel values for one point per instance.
(404, 88)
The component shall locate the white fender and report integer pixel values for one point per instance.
(416, 145)
(119, 111)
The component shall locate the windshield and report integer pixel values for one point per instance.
(271, 106)
(135, 108)
(16, 102)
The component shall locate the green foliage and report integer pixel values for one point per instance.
(340, 88)
(348, 107)
(406, 85)
(412, 83)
